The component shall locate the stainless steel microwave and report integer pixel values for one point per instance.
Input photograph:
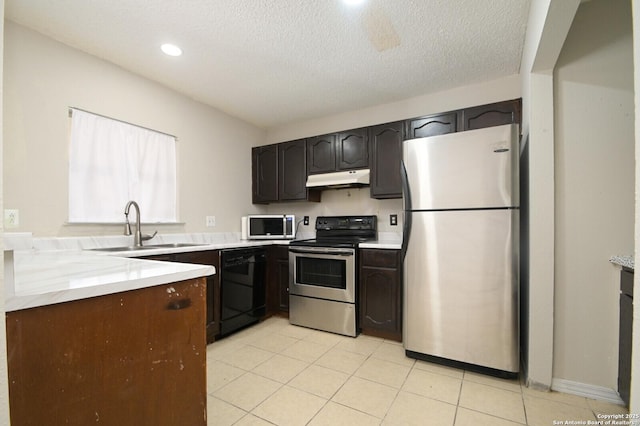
(271, 227)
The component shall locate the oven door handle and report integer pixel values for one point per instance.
(329, 251)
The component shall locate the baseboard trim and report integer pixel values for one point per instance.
(586, 390)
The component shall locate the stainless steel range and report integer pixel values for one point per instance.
(323, 274)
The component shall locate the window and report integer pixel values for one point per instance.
(112, 162)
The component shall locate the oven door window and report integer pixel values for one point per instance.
(321, 272)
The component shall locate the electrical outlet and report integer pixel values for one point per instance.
(305, 220)
(11, 218)
(211, 221)
(393, 219)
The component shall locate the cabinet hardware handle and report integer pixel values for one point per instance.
(176, 305)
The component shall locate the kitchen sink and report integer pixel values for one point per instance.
(173, 245)
(115, 249)
(148, 247)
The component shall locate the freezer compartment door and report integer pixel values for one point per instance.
(472, 169)
(461, 287)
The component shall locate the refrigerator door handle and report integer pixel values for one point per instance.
(406, 195)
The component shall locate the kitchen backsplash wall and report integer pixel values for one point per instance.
(339, 202)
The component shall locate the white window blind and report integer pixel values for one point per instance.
(112, 162)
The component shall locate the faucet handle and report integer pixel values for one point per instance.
(146, 237)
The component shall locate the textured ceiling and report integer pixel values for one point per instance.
(272, 62)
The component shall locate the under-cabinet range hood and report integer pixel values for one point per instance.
(346, 179)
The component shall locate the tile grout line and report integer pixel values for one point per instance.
(309, 364)
(524, 406)
(368, 356)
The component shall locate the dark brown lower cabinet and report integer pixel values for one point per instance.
(278, 279)
(208, 257)
(213, 286)
(381, 293)
(131, 358)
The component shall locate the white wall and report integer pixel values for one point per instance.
(634, 403)
(594, 197)
(547, 27)
(4, 383)
(43, 78)
(460, 97)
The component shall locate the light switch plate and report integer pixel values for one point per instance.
(393, 220)
(210, 221)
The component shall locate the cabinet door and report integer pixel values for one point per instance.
(264, 167)
(352, 150)
(386, 155)
(278, 279)
(321, 154)
(490, 115)
(209, 257)
(625, 335)
(624, 352)
(131, 358)
(381, 293)
(283, 283)
(292, 169)
(432, 125)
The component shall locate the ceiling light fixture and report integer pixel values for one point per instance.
(171, 49)
(353, 2)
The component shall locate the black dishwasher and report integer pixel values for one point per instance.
(242, 288)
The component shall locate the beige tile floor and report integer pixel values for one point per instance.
(277, 373)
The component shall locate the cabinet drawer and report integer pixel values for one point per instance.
(379, 258)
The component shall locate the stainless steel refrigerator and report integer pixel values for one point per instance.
(460, 246)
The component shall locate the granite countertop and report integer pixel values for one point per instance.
(626, 261)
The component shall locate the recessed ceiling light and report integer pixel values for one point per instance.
(171, 49)
(353, 2)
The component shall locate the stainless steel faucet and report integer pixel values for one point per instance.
(138, 237)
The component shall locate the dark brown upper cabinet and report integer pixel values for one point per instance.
(352, 149)
(432, 125)
(321, 154)
(338, 151)
(279, 173)
(490, 115)
(264, 179)
(292, 170)
(386, 155)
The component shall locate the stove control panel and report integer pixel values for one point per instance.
(343, 223)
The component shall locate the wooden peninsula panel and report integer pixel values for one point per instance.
(130, 358)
